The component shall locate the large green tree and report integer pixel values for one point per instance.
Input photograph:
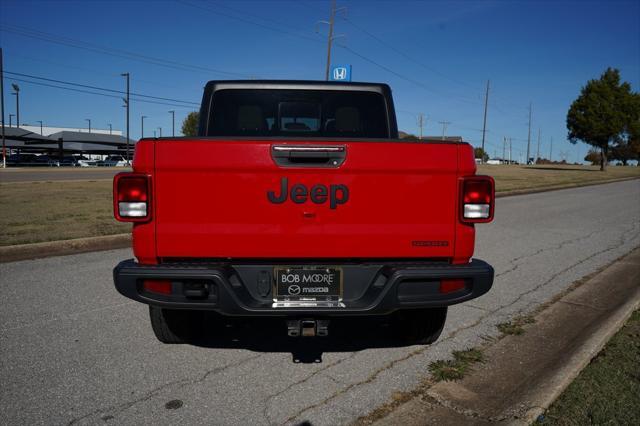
(190, 124)
(605, 110)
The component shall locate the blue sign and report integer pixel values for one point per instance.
(340, 73)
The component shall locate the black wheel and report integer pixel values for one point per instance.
(419, 326)
(175, 326)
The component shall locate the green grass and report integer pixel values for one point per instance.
(456, 368)
(46, 211)
(516, 325)
(607, 391)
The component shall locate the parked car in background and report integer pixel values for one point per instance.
(69, 161)
(113, 161)
(20, 160)
(87, 162)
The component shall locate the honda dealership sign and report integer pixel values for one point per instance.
(340, 73)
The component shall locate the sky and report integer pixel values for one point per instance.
(436, 56)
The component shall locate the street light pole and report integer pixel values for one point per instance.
(4, 146)
(16, 92)
(110, 129)
(89, 120)
(173, 123)
(126, 74)
(40, 121)
(142, 126)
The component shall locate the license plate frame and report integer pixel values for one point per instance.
(287, 288)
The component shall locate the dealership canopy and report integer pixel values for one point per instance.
(67, 141)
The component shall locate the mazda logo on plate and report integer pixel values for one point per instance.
(294, 290)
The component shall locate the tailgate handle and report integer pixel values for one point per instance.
(309, 156)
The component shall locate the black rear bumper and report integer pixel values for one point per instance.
(370, 288)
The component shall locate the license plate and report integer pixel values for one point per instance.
(308, 283)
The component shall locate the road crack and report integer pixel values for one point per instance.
(119, 408)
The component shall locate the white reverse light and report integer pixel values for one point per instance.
(476, 211)
(133, 209)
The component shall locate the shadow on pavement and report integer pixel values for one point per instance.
(270, 335)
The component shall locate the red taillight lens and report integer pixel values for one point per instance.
(477, 195)
(132, 188)
(157, 286)
(449, 286)
(131, 195)
(477, 192)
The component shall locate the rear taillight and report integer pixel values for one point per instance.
(157, 286)
(131, 196)
(451, 285)
(477, 199)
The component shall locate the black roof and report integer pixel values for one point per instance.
(297, 84)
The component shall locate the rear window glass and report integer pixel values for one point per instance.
(303, 113)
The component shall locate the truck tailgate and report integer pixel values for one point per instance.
(211, 201)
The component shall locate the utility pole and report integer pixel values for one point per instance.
(444, 127)
(332, 16)
(510, 149)
(110, 129)
(89, 120)
(420, 123)
(551, 150)
(142, 126)
(16, 92)
(173, 123)
(538, 152)
(40, 121)
(126, 101)
(529, 135)
(504, 147)
(4, 146)
(484, 124)
(330, 36)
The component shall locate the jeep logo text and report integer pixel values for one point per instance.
(319, 194)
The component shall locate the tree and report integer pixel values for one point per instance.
(623, 151)
(190, 124)
(480, 153)
(593, 156)
(602, 113)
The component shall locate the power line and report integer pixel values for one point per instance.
(406, 56)
(247, 21)
(100, 88)
(93, 93)
(95, 48)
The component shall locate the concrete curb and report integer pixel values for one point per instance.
(523, 375)
(64, 247)
(110, 242)
(543, 396)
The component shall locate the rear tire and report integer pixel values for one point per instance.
(419, 326)
(174, 326)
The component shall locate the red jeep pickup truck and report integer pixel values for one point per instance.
(298, 200)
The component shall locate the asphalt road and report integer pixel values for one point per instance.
(33, 174)
(72, 350)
